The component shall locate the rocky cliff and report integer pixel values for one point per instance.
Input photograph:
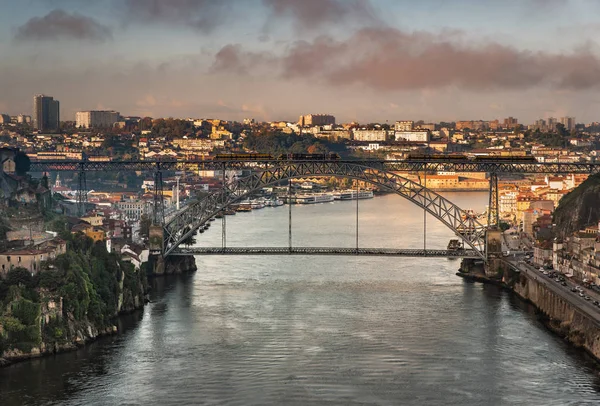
(579, 208)
(72, 302)
(173, 265)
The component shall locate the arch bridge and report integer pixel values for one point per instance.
(184, 224)
(171, 230)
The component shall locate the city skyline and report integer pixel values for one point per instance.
(275, 59)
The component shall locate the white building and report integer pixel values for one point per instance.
(404, 125)
(507, 202)
(96, 119)
(420, 136)
(23, 119)
(370, 135)
(133, 209)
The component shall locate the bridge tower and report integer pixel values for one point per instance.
(493, 235)
(493, 211)
(156, 231)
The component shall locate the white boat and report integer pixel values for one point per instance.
(314, 198)
(274, 203)
(353, 194)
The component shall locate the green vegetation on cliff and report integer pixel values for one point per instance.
(580, 208)
(78, 292)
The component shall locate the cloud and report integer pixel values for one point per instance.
(233, 59)
(311, 14)
(59, 24)
(390, 59)
(203, 16)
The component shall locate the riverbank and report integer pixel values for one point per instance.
(59, 333)
(85, 336)
(560, 316)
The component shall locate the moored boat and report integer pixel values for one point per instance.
(353, 194)
(314, 198)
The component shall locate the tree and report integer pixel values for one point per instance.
(19, 276)
(561, 130)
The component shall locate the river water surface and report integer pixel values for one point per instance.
(319, 330)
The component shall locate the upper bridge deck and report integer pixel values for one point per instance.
(483, 164)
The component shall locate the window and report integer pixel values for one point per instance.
(19, 260)
(8, 258)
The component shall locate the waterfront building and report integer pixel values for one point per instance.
(46, 113)
(310, 120)
(96, 118)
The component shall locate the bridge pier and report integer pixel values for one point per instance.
(171, 265)
(493, 251)
(156, 264)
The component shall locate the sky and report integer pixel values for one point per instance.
(360, 60)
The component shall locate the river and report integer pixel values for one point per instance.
(319, 330)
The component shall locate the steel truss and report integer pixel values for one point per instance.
(414, 165)
(326, 251)
(185, 224)
(493, 209)
(158, 208)
(81, 192)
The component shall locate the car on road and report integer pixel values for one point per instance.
(564, 283)
(587, 298)
(573, 290)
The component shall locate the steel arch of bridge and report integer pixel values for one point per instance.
(185, 223)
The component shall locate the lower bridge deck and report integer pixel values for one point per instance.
(379, 252)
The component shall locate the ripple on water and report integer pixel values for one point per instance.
(319, 330)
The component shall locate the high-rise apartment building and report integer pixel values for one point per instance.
(551, 124)
(96, 119)
(46, 113)
(510, 122)
(568, 122)
(310, 120)
(23, 119)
